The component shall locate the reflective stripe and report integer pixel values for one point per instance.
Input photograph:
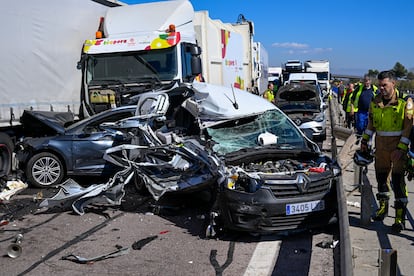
(402, 146)
(389, 133)
(405, 140)
(402, 199)
(369, 132)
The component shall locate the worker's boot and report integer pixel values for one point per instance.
(382, 210)
(400, 212)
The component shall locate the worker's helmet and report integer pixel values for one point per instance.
(363, 158)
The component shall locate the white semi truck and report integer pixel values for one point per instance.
(178, 44)
(87, 56)
(230, 56)
(41, 44)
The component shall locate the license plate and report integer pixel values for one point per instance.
(305, 207)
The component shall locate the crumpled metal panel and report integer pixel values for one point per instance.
(169, 168)
(71, 194)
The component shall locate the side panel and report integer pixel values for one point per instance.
(40, 48)
(223, 52)
(260, 67)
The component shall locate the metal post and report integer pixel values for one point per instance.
(366, 197)
(365, 189)
(358, 176)
(387, 262)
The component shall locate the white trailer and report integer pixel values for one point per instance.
(322, 70)
(229, 55)
(41, 45)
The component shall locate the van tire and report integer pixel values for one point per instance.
(6, 153)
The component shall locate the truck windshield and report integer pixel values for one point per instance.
(132, 66)
(322, 75)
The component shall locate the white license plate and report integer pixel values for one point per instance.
(305, 207)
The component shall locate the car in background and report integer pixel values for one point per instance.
(303, 103)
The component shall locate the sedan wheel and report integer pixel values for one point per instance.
(45, 170)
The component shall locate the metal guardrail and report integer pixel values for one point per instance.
(345, 240)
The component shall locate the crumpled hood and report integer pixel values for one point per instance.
(297, 92)
(213, 104)
(45, 122)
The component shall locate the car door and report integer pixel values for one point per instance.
(90, 144)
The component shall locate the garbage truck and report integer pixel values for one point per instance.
(41, 44)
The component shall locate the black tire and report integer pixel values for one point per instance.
(6, 152)
(139, 185)
(45, 170)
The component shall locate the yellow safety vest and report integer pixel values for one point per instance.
(394, 122)
(270, 95)
(358, 93)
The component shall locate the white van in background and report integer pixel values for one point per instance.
(310, 78)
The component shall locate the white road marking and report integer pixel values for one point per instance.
(263, 259)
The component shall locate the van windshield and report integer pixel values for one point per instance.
(243, 133)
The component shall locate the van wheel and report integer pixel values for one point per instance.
(45, 170)
(6, 151)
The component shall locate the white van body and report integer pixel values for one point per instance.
(310, 78)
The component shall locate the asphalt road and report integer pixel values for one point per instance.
(133, 240)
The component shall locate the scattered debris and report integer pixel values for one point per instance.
(353, 203)
(81, 260)
(12, 187)
(14, 250)
(138, 245)
(327, 244)
(73, 194)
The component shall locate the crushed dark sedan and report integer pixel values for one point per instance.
(55, 152)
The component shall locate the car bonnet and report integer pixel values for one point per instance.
(46, 120)
(213, 104)
(297, 92)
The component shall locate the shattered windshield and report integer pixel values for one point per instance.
(244, 133)
(121, 68)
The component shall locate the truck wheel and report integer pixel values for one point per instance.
(45, 170)
(6, 151)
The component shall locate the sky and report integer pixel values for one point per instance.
(354, 35)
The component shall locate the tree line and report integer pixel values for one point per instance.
(405, 77)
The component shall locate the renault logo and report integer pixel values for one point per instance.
(302, 182)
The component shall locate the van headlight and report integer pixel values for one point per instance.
(319, 117)
(242, 182)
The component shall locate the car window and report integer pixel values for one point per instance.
(94, 126)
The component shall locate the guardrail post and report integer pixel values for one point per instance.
(387, 262)
(365, 189)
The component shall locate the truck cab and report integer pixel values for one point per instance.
(135, 52)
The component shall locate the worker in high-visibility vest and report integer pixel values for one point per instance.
(390, 119)
(360, 102)
(346, 104)
(269, 94)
